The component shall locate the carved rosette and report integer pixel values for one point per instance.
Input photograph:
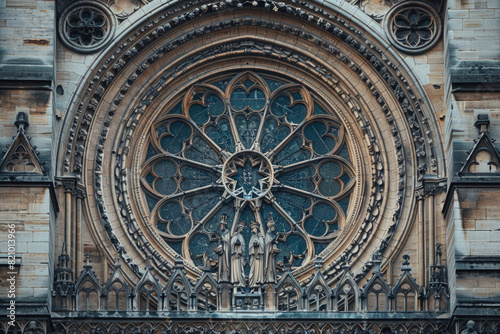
(413, 27)
(86, 26)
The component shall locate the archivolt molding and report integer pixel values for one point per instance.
(101, 97)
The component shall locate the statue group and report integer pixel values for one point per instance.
(262, 251)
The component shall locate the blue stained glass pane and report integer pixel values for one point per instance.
(179, 132)
(282, 106)
(299, 178)
(213, 224)
(281, 223)
(193, 177)
(292, 153)
(315, 132)
(293, 204)
(294, 245)
(165, 169)
(172, 212)
(151, 152)
(255, 99)
(324, 212)
(315, 227)
(202, 203)
(202, 152)
(273, 134)
(222, 135)
(247, 128)
(177, 109)
(344, 153)
(319, 247)
(297, 96)
(273, 85)
(211, 106)
(202, 249)
(344, 203)
(176, 246)
(149, 179)
(222, 85)
(318, 110)
(329, 186)
(151, 202)
(345, 179)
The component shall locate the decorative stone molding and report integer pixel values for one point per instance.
(86, 26)
(413, 26)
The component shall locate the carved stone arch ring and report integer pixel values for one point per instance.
(86, 26)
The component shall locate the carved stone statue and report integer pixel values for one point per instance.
(237, 256)
(256, 251)
(223, 251)
(470, 328)
(270, 251)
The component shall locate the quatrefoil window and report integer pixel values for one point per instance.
(247, 149)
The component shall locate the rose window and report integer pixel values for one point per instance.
(244, 151)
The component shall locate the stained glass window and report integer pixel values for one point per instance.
(248, 149)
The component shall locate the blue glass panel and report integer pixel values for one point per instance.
(176, 246)
(324, 212)
(213, 224)
(344, 153)
(255, 99)
(201, 203)
(211, 106)
(319, 247)
(281, 223)
(315, 132)
(299, 178)
(345, 178)
(151, 152)
(282, 106)
(273, 85)
(177, 109)
(329, 186)
(247, 128)
(294, 245)
(292, 153)
(318, 110)
(179, 224)
(314, 227)
(165, 169)
(202, 152)
(221, 134)
(272, 134)
(179, 132)
(201, 248)
(344, 203)
(149, 179)
(222, 85)
(193, 177)
(293, 204)
(151, 202)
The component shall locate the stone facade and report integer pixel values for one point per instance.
(94, 96)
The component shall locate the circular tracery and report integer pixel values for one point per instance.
(247, 175)
(247, 150)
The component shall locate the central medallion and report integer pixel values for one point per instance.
(248, 175)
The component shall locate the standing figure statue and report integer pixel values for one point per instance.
(271, 251)
(238, 256)
(223, 251)
(256, 250)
